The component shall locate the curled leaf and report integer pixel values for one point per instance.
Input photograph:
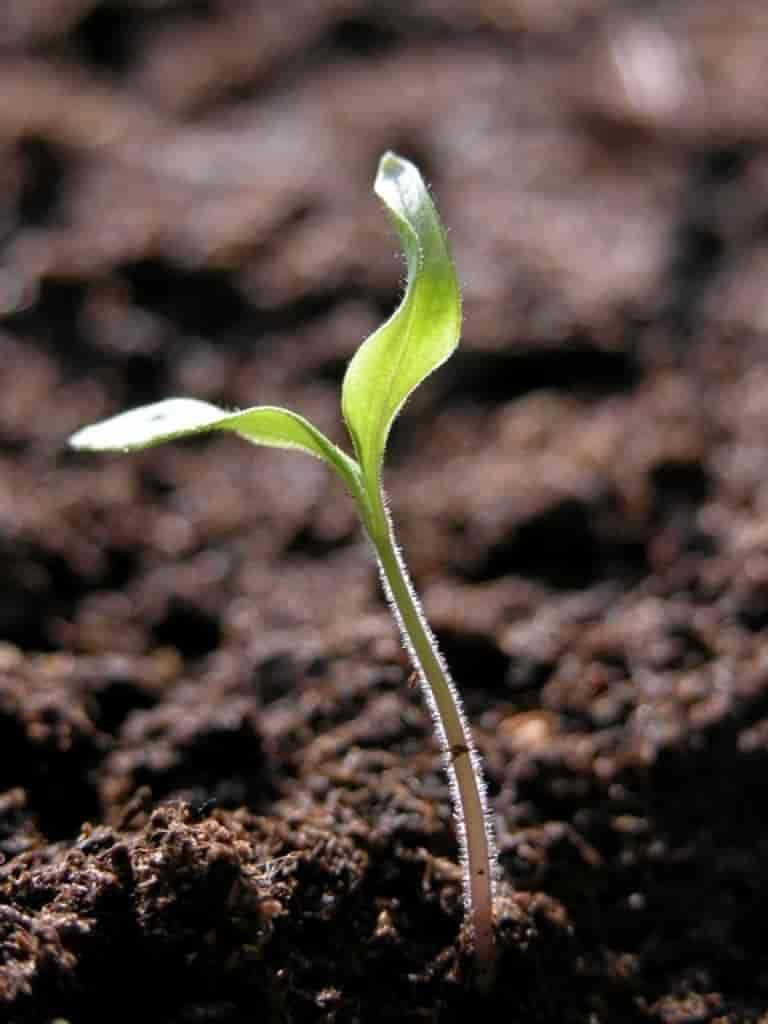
(421, 334)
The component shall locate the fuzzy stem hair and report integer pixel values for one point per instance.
(460, 757)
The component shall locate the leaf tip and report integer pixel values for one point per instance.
(81, 440)
(397, 181)
(391, 164)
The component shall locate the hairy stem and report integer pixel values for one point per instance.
(460, 757)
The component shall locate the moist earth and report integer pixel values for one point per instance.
(220, 798)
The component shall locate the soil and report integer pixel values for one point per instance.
(220, 800)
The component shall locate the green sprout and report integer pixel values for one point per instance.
(385, 370)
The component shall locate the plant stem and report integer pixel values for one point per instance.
(460, 757)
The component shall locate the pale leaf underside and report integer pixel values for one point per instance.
(176, 418)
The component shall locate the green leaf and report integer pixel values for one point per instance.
(422, 333)
(183, 417)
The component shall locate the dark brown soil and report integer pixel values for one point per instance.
(219, 799)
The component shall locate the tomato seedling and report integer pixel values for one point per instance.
(385, 370)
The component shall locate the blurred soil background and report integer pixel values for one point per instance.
(219, 799)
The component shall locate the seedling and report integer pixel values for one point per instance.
(385, 370)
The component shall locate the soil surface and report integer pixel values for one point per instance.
(220, 800)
